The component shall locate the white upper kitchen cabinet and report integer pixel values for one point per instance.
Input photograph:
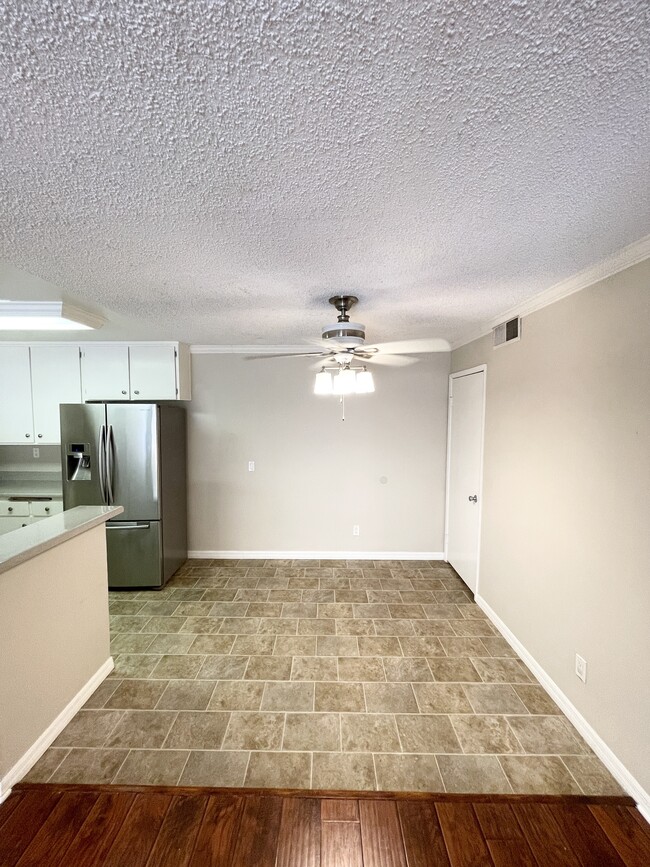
(105, 371)
(16, 419)
(153, 371)
(135, 371)
(56, 379)
(35, 380)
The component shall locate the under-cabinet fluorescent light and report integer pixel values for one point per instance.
(46, 316)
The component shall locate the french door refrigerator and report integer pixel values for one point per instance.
(131, 455)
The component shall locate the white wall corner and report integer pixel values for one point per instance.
(33, 754)
(597, 744)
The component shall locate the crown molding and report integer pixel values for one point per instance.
(627, 257)
(235, 349)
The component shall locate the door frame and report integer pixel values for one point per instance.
(480, 368)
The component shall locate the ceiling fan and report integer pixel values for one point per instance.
(344, 342)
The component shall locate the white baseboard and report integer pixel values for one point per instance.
(597, 744)
(316, 555)
(33, 754)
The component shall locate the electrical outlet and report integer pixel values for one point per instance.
(36, 453)
(581, 668)
(251, 466)
(355, 530)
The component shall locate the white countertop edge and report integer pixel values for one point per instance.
(21, 545)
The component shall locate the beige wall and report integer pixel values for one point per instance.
(54, 637)
(315, 475)
(565, 553)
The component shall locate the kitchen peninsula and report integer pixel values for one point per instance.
(54, 630)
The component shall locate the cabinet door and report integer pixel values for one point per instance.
(56, 379)
(16, 421)
(153, 372)
(105, 372)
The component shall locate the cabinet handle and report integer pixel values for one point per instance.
(136, 392)
(47, 508)
(10, 509)
(40, 436)
(27, 435)
(123, 392)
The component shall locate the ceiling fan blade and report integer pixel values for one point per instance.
(287, 355)
(421, 344)
(390, 360)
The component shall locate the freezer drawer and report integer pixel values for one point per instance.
(134, 551)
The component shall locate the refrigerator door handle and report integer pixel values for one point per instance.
(101, 449)
(110, 463)
(129, 525)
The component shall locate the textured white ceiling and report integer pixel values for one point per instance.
(212, 171)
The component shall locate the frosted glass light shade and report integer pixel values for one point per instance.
(323, 383)
(344, 381)
(365, 383)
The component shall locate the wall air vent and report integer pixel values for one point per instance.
(506, 332)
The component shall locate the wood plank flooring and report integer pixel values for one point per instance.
(101, 826)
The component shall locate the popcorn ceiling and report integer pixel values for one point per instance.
(212, 171)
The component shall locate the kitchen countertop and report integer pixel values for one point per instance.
(27, 542)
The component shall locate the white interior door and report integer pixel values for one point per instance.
(464, 472)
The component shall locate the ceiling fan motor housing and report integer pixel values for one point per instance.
(347, 333)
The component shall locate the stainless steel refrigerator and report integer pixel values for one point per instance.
(132, 455)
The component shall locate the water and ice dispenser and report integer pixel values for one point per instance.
(78, 465)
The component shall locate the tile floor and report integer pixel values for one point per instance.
(318, 674)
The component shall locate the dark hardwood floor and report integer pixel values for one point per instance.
(128, 826)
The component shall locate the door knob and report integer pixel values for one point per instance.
(473, 499)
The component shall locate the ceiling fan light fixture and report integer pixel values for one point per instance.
(365, 384)
(323, 382)
(345, 381)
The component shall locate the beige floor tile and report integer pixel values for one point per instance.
(161, 608)
(212, 645)
(134, 665)
(264, 609)
(386, 597)
(406, 669)
(502, 671)
(254, 731)
(101, 695)
(407, 612)
(152, 768)
(441, 698)
(354, 771)
(547, 734)
(89, 728)
(129, 642)
(408, 773)
(46, 765)
(432, 627)
(428, 645)
(422, 733)
(141, 729)
(473, 628)
(194, 609)
(238, 625)
(536, 699)
(215, 769)
(497, 646)
(197, 730)
(458, 670)
(277, 626)
(295, 645)
(186, 695)
(237, 695)
(314, 668)
(223, 667)
(365, 733)
(473, 774)
(416, 597)
(390, 698)
(494, 698)
(316, 596)
(317, 626)
(342, 697)
(400, 628)
(137, 694)
(164, 624)
(485, 734)
(176, 667)
(355, 627)
(337, 645)
(592, 776)
(335, 610)
(464, 647)
(286, 595)
(217, 594)
(201, 625)
(253, 645)
(312, 731)
(382, 645)
(279, 770)
(442, 612)
(269, 668)
(367, 668)
(166, 644)
(292, 696)
(302, 610)
(543, 775)
(90, 767)
(358, 596)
